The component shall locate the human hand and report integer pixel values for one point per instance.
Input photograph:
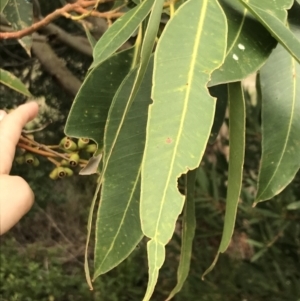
(16, 197)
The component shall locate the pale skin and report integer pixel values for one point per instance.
(16, 197)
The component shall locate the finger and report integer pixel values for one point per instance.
(2, 114)
(16, 198)
(10, 130)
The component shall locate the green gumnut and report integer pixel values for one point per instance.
(70, 145)
(61, 172)
(82, 142)
(69, 172)
(29, 158)
(63, 141)
(36, 162)
(54, 174)
(20, 160)
(74, 159)
(91, 148)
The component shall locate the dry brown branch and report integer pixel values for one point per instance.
(78, 43)
(56, 67)
(79, 6)
(106, 15)
(39, 149)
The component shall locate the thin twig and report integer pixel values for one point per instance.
(43, 147)
(53, 146)
(106, 15)
(38, 129)
(35, 150)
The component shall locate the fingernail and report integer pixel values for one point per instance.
(2, 114)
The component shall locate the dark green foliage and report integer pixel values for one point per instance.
(203, 44)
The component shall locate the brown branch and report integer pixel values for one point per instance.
(52, 63)
(78, 43)
(36, 150)
(56, 163)
(29, 142)
(106, 15)
(44, 150)
(78, 6)
(45, 21)
(56, 67)
(9, 29)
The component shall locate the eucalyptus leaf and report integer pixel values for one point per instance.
(87, 117)
(293, 206)
(188, 233)
(9, 80)
(237, 128)
(89, 36)
(120, 32)
(249, 45)
(118, 3)
(276, 27)
(280, 86)
(118, 228)
(20, 15)
(3, 4)
(180, 118)
(148, 44)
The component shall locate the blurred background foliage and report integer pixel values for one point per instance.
(42, 257)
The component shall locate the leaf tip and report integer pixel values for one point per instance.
(210, 268)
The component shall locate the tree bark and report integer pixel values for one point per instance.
(55, 66)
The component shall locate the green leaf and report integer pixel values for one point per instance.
(9, 80)
(118, 3)
(280, 85)
(118, 228)
(237, 128)
(293, 206)
(19, 14)
(3, 4)
(188, 232)
(87, 117)
(180, 118)
(221, 93)
(148, 44)
(120, 32)
(276, 27)
(249, 45)
(147, 47)
(89, 36)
